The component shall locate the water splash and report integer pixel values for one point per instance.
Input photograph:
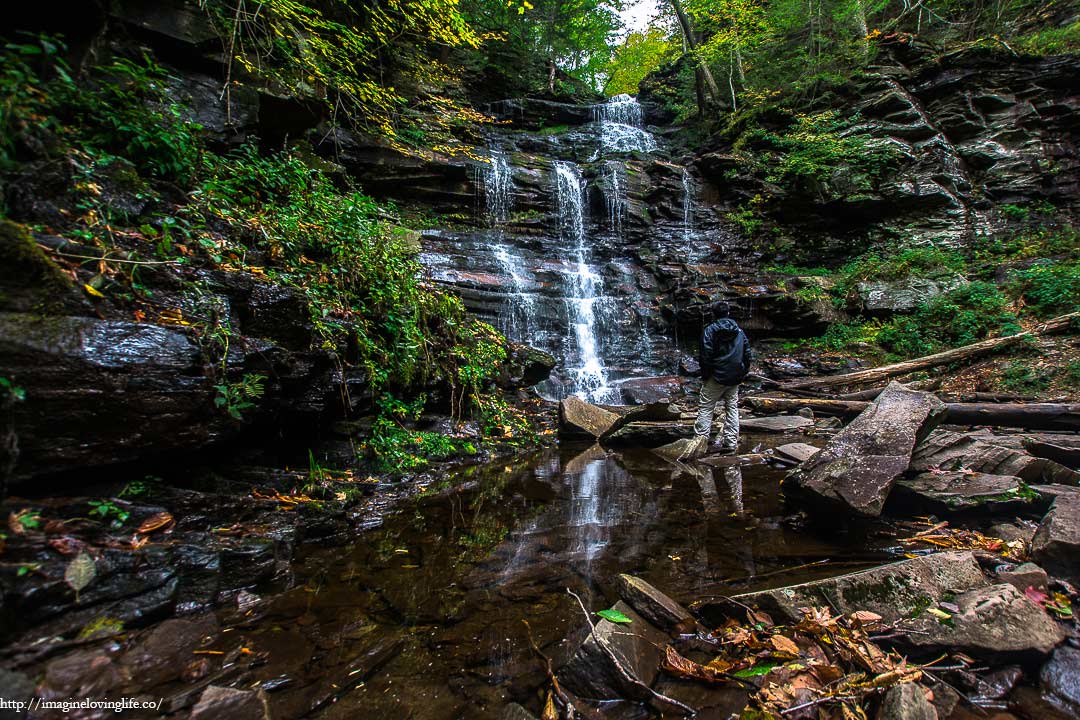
(498, 188)
(518, 320)
(688, 211)
(589, 377)
(615, 198)
(622, 126)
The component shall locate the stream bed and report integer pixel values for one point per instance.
(422, 616)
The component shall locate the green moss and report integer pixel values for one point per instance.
(27, 269)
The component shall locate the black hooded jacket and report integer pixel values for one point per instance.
(725, 352)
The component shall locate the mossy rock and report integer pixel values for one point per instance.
(31, 281)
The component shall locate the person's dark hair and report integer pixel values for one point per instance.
(721, 309)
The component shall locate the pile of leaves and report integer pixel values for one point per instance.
(821, 667)
(940, 535)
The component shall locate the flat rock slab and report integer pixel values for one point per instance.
(1063, 450)
(857, 469)
(637, 645)
(963, 491)
(892, 591)
(988, 453)
(796, 452)
(578, 418)
(776, 423)
(653, 605)
(995, 623)
(1056, 545)
(647, 434)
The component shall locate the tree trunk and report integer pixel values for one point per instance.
(860, 22)
(968, 352)
(1033, 416)
(710, 90)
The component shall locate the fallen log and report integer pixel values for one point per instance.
(1032, 416)
(967, 352)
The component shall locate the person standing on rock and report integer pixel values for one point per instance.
(725, 362)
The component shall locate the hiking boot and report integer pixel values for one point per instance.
(722, 448)
(695, 448)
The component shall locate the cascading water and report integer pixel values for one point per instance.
(615, 199)
(498, 185)
(589, 376)
(621, 126)
(688, 211)
(498, 188)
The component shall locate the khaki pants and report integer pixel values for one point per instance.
(712, 393)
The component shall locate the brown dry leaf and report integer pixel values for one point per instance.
(550, 713)
(757, 617)
(156, 522)
(865, 617)
(784, 645)
(679, 666)
(826, 673)
(66, 545)
(737, 636)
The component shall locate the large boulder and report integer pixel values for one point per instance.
(857, 469)
(580, 419)
(1056, 545)
(963, 490)
(985, 452)
(637, 646)
(652, 604)
(647, 434)
(892, 591)
(905, 296)
(994, 623)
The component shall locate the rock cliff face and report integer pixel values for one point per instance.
(582, 230)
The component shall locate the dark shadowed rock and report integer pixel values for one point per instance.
(578, 418)
(962, 490)
(1056, 545)
(513, 711)
(776, 423)
(637, 645)
(1024, 576)
(224, 702)
(906, 701)
(653, 605)
(994, 623)
(647, 434)
(1060, 678)
(858, 467)
(893, 591)
(987, 453)
(651, 389)
(1060, 449)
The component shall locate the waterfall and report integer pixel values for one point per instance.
(498, 183)
(621, 126)
(615, 199)
(498, 188)
(589, 378)
(687, 211)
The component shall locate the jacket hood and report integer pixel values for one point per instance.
(726, 327)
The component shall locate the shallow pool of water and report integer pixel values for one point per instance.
(422, 617)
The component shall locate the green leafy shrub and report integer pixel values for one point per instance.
(1021, 375)
(399, 449)
(1049, 287)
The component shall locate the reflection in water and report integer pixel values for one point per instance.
(452, 578)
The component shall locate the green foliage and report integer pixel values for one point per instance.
(27, 519)
(100, 627)
(612, 615)
(108, 511)
(1023, 376)
(817, 146)
(398, 448)
(1072, 374)
(1049, 287)
(334, 52)
(10, 392)
(639, 55)
(1051, 41)
(236, 397)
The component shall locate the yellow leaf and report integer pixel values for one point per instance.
(92, 290)
(550, 713)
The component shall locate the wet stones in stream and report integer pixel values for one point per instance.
(858, 467)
